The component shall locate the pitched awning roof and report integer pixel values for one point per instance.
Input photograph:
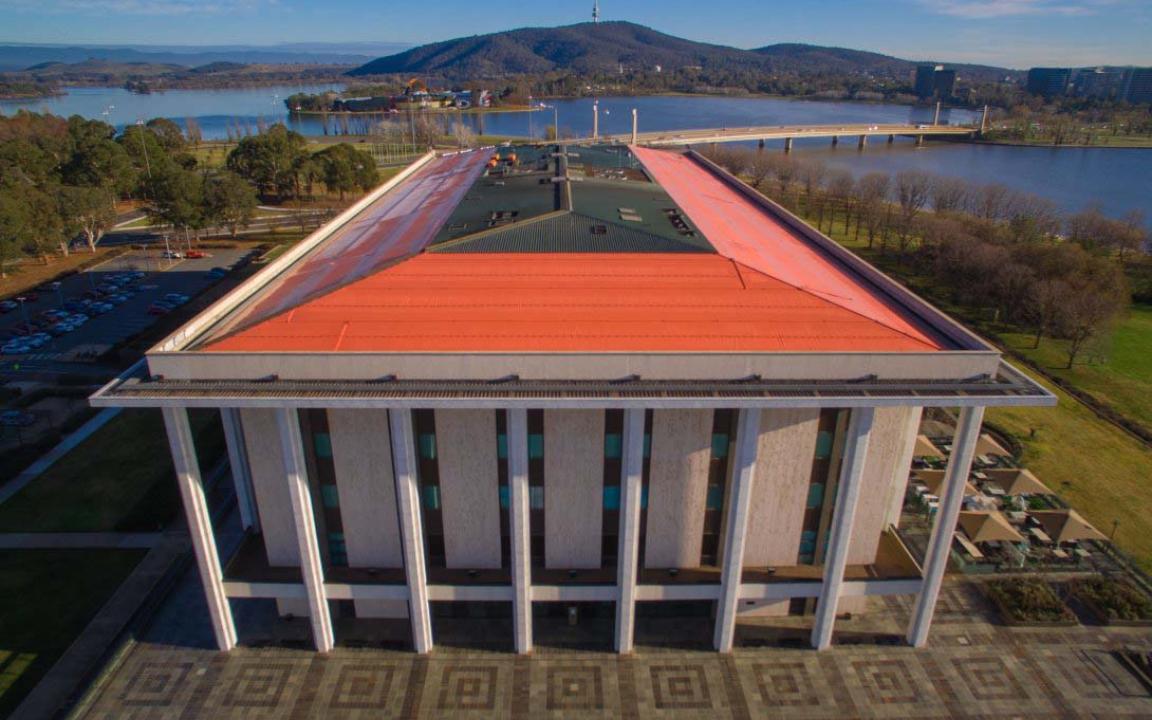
(987, 527)
(1067, 526)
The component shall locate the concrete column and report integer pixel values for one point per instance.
(200, 525)
(847, 496)
(936, 557)
(863, 143)
(519, 519)
(628, 554)
(404, 464)
(835, 140)
(891, 138)
(635, 126)
(595, 119)
(739, 503)
(936, 115)
(311, 567)
(241, 472)
(919, 141)
(787, 145)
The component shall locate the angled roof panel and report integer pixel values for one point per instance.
(741, 230)
(399, 224)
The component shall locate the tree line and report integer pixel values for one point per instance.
(60, 179)
(998, 253)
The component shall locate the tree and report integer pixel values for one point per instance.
(270, 161)
(168, 133)
(871, 199)
(1092, 303)
(178, 199)
(89, 210)
(96, 159)
(346, 169)
(949, 194)
(229, 200)
(913, 188)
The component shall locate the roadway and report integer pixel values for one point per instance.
(787, 132)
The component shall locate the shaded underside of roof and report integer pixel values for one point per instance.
(442, 302)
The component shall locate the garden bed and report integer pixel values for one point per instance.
(1112, 601)
(1028, 602)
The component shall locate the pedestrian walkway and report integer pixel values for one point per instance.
(79, 540)
(49, 459)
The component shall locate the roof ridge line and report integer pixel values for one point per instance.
(820, 297)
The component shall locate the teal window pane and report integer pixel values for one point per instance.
(504, 502)
(807, 542)
(427, 446)
(502, 446)
(535, 446)
(432, 497)
(329, 495)
(719, 445)
(611, 497)
(815, 495)
(647, 445)
(323, 444)
(337, 549)
(823, 445)
(644, 497)
(536, 497)
(613, 445)
(715, 497)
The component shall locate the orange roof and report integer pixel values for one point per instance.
(743, 231)
(374, 288)
(570, 302)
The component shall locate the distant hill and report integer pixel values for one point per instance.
(605, 47)
(15, 57)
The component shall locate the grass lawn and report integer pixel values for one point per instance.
(120, 478)
(46, 599)
(1124, 381)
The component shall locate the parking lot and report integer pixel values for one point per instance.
(156, 277)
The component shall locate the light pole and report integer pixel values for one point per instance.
(531, 132)
(24, 312)
(1112, 535)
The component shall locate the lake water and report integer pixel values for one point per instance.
(1118, 180)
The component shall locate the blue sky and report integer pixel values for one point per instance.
(1015, 33)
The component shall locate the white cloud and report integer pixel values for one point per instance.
(990, 9)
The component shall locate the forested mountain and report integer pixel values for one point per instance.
(611, 47)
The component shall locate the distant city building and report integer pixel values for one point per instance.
(1099, 83)
(934, 81)
(1126, 84)
(1049, 82)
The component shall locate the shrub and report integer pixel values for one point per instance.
(1028, 600)
(1117, 599)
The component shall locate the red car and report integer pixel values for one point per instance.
(193, 254)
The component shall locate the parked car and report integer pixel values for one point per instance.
(25, 328)
(7, 306)
(78, 319)
(216, 273)
(61, 328)
(15, 348)
(30, 296)
(159, 308)
(175, 298)
(16, 418)
(172, 254)
(42, 338)
(54, 315)
(193, 254)
(101, 308)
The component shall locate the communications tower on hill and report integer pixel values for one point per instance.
(595, 11)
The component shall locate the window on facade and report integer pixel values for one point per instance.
(427, 444)
(322, 441)
(337, 549)
(330, 496)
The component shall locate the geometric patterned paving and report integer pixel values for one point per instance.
(972, 669)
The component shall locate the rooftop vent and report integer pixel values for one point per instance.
(599, 229)
(497, 218)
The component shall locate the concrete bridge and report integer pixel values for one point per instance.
(858, 133)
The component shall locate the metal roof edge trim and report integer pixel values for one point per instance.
(223, 308)
(1019, 390)
(925, 312)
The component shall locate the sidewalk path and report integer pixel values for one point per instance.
(79, 541)
(49, 459)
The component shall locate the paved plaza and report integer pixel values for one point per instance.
(973, 669)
